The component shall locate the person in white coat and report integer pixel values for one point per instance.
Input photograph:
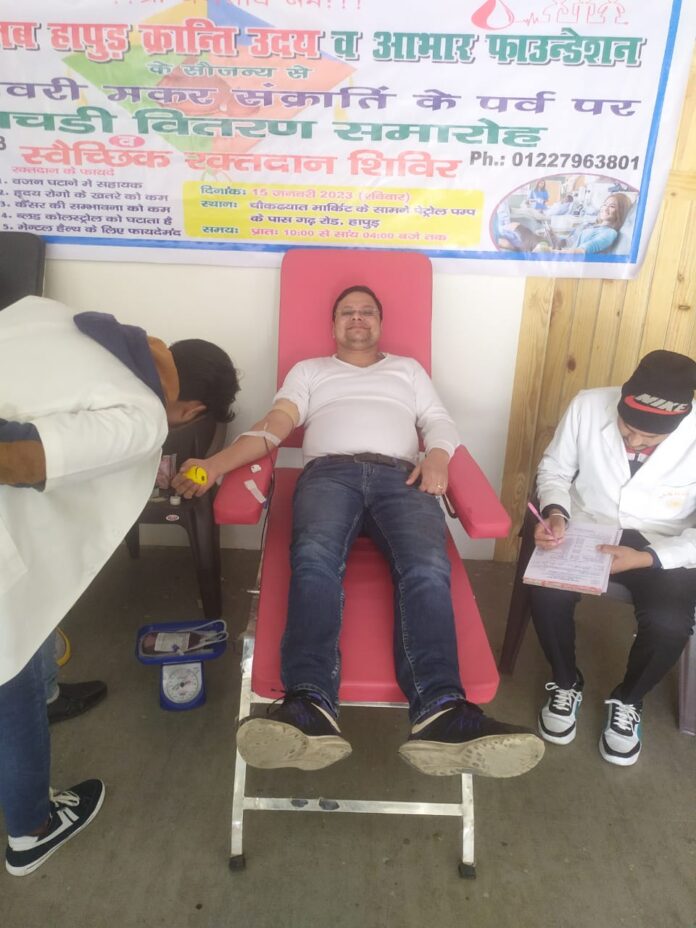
(626, 457)
(85, 404)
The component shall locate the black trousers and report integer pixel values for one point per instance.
(664, 603)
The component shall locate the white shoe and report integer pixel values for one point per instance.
(558, 717)
(620, 741)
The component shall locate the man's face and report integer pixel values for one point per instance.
(357, 324)
(637, 440)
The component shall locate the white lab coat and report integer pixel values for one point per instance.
(102, 430)
(659, 501)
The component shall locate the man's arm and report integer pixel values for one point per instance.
(626, 558)
(668, 552)
(556, 472)
(22, 458)
(439, 436)
(555, 523)
(66, 447)
(559, 464)
(432, 472)
(277, 424)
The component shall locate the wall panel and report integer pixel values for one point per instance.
(577, 334)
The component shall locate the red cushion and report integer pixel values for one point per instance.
(366, 640)
(473, 498)
(235, 503)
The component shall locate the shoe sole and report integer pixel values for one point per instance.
(497, 756)
(560, 738)
(619, 760)
(34, 865)
(269, 745)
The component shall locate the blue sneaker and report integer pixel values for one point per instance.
(459, 738)
(620, 741)
(71, 811)
(296, 733)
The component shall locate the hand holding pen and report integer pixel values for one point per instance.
(549, 533)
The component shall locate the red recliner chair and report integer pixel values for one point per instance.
(310, 281)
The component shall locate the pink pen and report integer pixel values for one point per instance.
(535, 512)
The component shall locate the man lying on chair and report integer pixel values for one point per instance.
(360, 409)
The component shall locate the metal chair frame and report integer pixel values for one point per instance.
(241, 802)
(407, 278)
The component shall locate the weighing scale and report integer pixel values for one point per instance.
(181, 648)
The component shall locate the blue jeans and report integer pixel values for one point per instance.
(334, 501)
(25, 752)
(50, 666)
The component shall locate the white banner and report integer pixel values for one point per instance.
(528, 137)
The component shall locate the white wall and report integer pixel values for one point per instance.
(475, 330)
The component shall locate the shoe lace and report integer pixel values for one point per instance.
(623, 715)
(271, 706)
(63, 797)
(287, 697)
(561, 700)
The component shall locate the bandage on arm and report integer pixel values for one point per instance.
(260, 433)
(261, 439)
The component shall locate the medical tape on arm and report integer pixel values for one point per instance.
(261, 433)
(269, 438)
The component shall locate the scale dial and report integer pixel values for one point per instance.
(182, 684)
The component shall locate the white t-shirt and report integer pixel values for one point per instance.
(347, 409)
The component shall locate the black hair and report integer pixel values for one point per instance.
(206, 374)
(359, 288)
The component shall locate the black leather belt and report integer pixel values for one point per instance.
(366, 457)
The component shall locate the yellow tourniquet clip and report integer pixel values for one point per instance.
(197, 474)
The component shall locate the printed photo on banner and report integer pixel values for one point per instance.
(567, 214)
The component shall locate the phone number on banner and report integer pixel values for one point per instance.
(553, 159)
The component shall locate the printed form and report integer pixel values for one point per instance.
(575, 564)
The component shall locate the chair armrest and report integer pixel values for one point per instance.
(237, 504)
(473, 498)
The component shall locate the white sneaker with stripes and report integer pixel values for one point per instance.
(620, 741)
(71, 811)
(558, 715)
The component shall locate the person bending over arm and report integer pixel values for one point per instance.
(85, 403)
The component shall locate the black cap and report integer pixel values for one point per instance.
(659, 393)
